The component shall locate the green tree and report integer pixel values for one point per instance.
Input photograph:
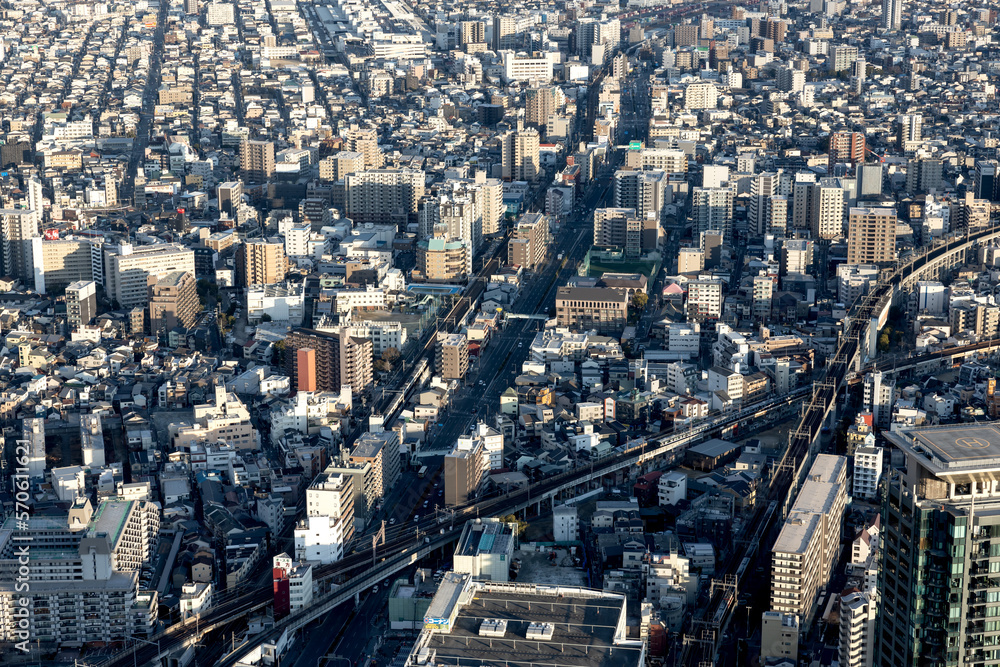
(279, 353)
(265, 318)
(883, 342)
(639, 301)
(520, 526)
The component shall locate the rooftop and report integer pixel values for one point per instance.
(954, 449)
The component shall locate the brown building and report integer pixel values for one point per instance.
(463, 472)
(261, 262)
(452, 357)
(846, 147)
(529, 243)
(257, 160)
(686, 34)
(305, 366)
(584, 308)
(337, 167)
(871, 236)
(174, 302)
(340, 359)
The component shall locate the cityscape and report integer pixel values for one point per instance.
(518, 333)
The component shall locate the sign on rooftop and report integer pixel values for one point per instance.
(635, 145)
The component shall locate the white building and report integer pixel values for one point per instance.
(218, 13)
(853, 280)
(195, 599)
(382, 334)
(867, 472)
(672, 487)
(536, 67)
(486, 549)
(932, 297)
(704, 300)
(684, 339)
(670, 574)
(300, 580)
(68, 483)
(128, 269)
(33, 433)
(857, 628)
(329, 523)
(492, 445)
(92, 441)
(701, 96)
(565, 523)
(878, 398)
(282, 303)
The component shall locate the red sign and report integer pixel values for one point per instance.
(51, 234)
(180, 211)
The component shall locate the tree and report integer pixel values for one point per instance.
(520, 527)
(279, 353)
(883, 342)
(382, 365)
(391, 355)
(639, 301)
(265, 318)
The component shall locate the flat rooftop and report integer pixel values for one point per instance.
(583, 630)
(966, 450)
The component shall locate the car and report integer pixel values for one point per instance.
(392, 521)
(416, 519)
(374, 589)
(425, 503)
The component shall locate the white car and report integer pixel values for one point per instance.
(392, 521)
(374, 589)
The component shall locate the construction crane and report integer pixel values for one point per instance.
(881, 158)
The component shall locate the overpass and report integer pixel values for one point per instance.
(856, 345)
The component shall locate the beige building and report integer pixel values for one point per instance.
(130, 270)
(452, 357)
(464, 469)
(68, 260)
(226, 419)
(384, 196)
(257, 160)
(519, 155)
(81, 303)
(583, 308)
(174, 302)
(364, 141)
(340, 359)
(442, 261)
(261, 262)
(807, 549)
(779, 636)
(337, 167)
(871, 236)
(529, 242)
(690, 260)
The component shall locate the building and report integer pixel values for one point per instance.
(465, 469)
(892, 14)
(261, 262)
(565, 523)
(987, 182)
(337, 167)
(282, 303)
(21, 244)
(857, 627)
(341, 359)
(846, 146)
(704, 300)
(699, 96)
(779, 636)
(226, 418)
(256, 159)
(380, 451)
(219, 13)
(364, 141)
(853, 280)
(622, 228)
(871, 236)
(530, 67)
(130, 270)
(826, 209)
(937, 592)
(867, 472)
(68, 260)
(869, 180)
(529, 242)
(762, 188)
(480, 623)
(230, 196)
(910, 130)
(174, 303)
(808, 547)
(540, 103)
(712, 209)
(924, 174)
(486, 549)
(452, 357)
(519, 154)
(81, 303)
(584, 308)
(439, 260)
(329, 523)
(292, 583)
(878, 398)
(647, 192)
(384, 196)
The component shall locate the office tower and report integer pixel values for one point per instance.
(909, 130)
(452, 356)
(257, 160)
(341, 359)
(174, 302)
(892, 14)
(648, 192)
(364, 141)
(846, 147)
(472, 32)
(869, 179)
(987, 185)
(519, 155)
(807, 549)
(81, 303)
(826, 209)
(261, 262)
(871, 236)
(712, 208)
(230, 195)
(936, 582)
(762, 187)
(529, 242)
(130, 270)
(329, 524)
(384, 196)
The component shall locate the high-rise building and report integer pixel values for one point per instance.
(21, 244)
(174, 302)
(190, 6)
(701, 96)
(364, 141)
(841, 57)
(791, 79)
(529, 242)
(857, 627)
(648, 192)
(909, 131)
(337, 167)
(762, 187)
(257, 160)
(987, 183)
(892, 14)
(806, 552)
(826, 209)
(867, 472)
(601, 308)
(68, 260)
(712, 208)
(540, 103)
(519, 155)
(796, 256)
(452, 356)
(704, 300)
(504, 32)
(620, 227)
(846, 147)
(923, 174)
(81, 303)
(472, 32)
(465, 469)
(869, 179)
(384, 196)
(936, 582)
(220, 13)
(871, 236)
(230, 196)
(878, 395)
(130, 270)
(341, 359)
(261, 262)
(329, 524)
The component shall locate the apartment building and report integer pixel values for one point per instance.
(779, 636)
(257, 160)
(336, 167)
(585, 308)
(452, 356)
(261, 262)
(129, 269)
(858, 611)
(648, 192)
(68, 260)
(712, 209)
(464, 470)
(174, 303)
(81, 303)
(867, 472)
(364, 141)
(384, 196)
(622, 228)
(226, 418)
(871, 236)
(340, 359)
(531, 67)
(329, 523)
(381, 451)
(846, 146)
(704, 300)
(519, 154)
(529, 243)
